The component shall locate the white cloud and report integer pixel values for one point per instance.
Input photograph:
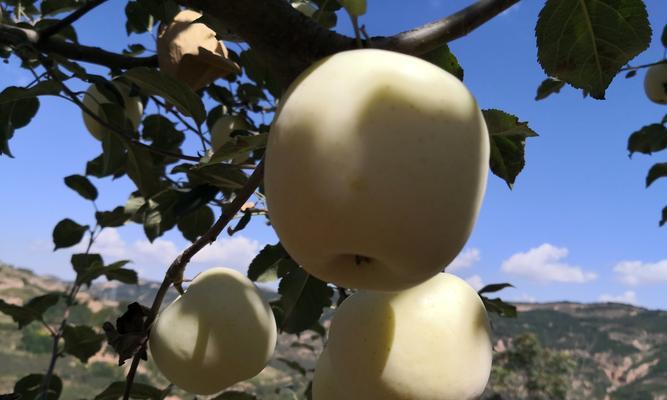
(635, 273)
(236, 252)
(544, 264)
(475, 281)
(464, 260)
(162, 251)
(629, 297)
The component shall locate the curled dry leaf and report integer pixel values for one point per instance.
(191, 52)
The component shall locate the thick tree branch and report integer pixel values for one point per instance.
(68, 20)
(286, 39)
(430, 36)
(289, 41)
(15, 37)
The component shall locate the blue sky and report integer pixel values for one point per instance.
(578, 225)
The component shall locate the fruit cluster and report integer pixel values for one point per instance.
(376, 167)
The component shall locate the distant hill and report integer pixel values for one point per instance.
(618, 351)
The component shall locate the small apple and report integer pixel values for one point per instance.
(376, 166)
(219, 332)
(306, 8)
(191, 53)
(655, 83)
(224, 126)
(429, 342)
(92, 100)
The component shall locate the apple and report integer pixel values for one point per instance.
(219, 332)
(429, 342)
(376, 166)
(191, 53)
(306, 8)
(92, 100)
(325, 384)
(655, 83)
(224, 126)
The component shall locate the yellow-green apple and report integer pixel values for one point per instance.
(92, 100)
(219, 332)
(224, 126)
(429, 342)
(655, 83)
(376, 167)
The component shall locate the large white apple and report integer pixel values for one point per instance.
(219, 332)
(655, 83)
(429, 342)
(376, 168)
(92, 100)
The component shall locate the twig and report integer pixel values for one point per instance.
(631, 68)
(73, 98)
(68, 20)
(177, 268)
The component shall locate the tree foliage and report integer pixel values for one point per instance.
(174, 189)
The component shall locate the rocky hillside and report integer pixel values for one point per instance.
(614, 351)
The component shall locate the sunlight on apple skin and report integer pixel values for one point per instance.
(221, 331)
(92, 100)
(430, 342)
(655, 83)
(376, 168)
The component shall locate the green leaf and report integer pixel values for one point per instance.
(30, 387)
(196, 223)
(84, 261)
(162, 132)
(508, 140)
(663, 37)
(500, 123)
(82, 186)
(82, 341)
(142, 170)
(586, 42)
(499, 307)
(355, 8)
(15, 115)
(663, 220)
(139, 19)
(68, 233)
(95, 167)
(494, 287)
(303, 297)
(237, 146)
(657, 171)
(114, 271)
(114, 156)
(112, 219)
(648, 139)
(15, 93)
(264, 267)
(235, 395)
(154, 82)
(30, 311)
(548, 87)
(445, 59)
(139, 391)
(223, 176)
